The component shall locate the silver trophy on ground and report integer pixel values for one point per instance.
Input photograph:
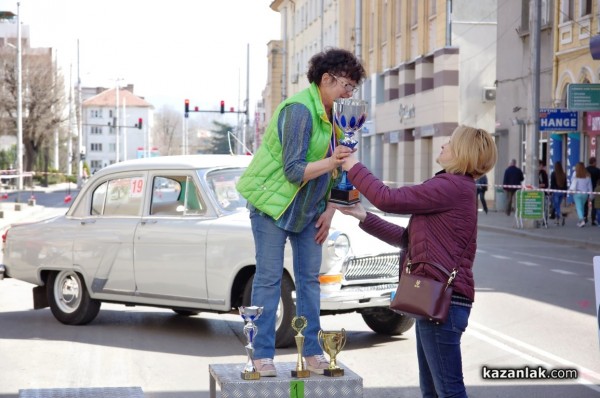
(249, 315)
(349, 115)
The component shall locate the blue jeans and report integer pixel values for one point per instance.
(580, 203)
(270, 240)
(440, 359)
(557, 198)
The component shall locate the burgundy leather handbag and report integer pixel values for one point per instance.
(421, 297)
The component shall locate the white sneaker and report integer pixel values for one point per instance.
(265, 367)
(317, 363)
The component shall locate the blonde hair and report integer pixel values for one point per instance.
(474, 152)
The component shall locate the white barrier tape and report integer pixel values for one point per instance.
(527, 188)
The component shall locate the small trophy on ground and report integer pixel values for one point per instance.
(299, 323)
(249, 315)
(332, 342)
(349, 115)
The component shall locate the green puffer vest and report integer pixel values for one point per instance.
(263, 183)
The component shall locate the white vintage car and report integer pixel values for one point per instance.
(173, 232)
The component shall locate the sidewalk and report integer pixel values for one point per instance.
(10, 214)
(586, 237)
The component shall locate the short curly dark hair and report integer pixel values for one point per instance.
(335, 61)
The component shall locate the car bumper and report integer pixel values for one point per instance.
(357, 297)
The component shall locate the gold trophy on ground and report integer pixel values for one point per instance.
(332, 342)
(299, 323)
(250, 314)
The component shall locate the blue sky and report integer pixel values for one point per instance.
(170, 50)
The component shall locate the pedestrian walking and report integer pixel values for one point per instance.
(482, 187)
(581, 183)
(513, 176)
(558, 182)
(594, 173)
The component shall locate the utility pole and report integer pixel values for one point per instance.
(533, 133)
(19, 104)
(79, 115)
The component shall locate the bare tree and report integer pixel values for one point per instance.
(166, 132)
(43, 99)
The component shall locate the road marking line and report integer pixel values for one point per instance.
(480, 334)
(528, 263)
(563, 272)
(550, 258)
(500, 257)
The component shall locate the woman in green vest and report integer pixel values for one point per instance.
(287, 186)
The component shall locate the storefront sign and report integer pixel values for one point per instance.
(558, 120)
(583, 97)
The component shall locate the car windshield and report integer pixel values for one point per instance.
(221, 185)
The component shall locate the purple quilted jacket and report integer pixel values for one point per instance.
(443, 222)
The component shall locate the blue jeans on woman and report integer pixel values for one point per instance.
(270, 241)
(440, 359)
(580, 200)
(557, 198)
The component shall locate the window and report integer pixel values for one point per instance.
(432, 8)
(414, 13)
(119, 197)
(96, 147)
(176, 196)
(567, 10)
(222, 188)
(383, 26)
(586, 7)
(398, 7)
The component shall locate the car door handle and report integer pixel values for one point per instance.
(90, 221)
(144, 222)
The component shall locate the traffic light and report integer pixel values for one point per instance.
(187, 107)
(222, 106)
(139, 124)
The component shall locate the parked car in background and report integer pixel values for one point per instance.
(173, 232)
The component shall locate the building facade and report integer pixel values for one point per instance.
(428, 71)
(576, 23)
(111, 126)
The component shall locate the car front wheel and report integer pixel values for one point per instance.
(385, 321)
(69, 299)
(286, 310)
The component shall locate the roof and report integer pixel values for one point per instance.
(108, 98)
(178, 162)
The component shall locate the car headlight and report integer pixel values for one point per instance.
(338, 245)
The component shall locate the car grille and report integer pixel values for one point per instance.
(383, 266)
(370, 288)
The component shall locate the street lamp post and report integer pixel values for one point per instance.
(19, 105)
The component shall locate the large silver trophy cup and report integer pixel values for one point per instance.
(249, 315)
(349, 115)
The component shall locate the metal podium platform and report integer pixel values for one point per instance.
(101, 392)
(316, 386)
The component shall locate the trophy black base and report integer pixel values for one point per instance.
(250, 375)
(344, 197)
(301, 374)
(338, 372)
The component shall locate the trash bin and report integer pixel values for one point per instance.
(500, 200)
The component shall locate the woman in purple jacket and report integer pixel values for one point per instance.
(442, 229)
